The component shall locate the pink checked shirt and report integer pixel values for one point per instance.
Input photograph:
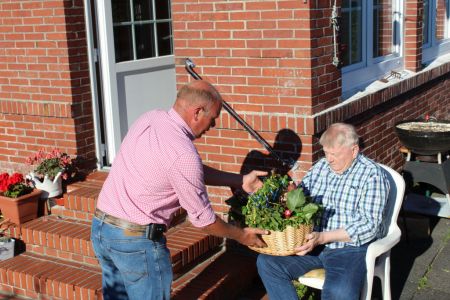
(157, 170)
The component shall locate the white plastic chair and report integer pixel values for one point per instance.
(378, 257)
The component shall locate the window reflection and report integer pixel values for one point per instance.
(143, 10)
(382, 28)
(142, 29)
(162, 9)
(425, 25)
(121, 11)
(123, 43)
(351, 32)
(144, 37)
(164, 38)
(441, 17)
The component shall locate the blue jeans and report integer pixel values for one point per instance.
(133, 267)
(345, 272)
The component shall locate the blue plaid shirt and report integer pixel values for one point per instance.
(354, 200)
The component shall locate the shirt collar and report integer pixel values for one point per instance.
(179, 121)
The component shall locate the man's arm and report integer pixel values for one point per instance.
(245, 236)
(250, 182)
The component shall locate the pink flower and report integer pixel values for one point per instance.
(51, 163)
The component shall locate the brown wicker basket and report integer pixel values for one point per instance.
(282, 243)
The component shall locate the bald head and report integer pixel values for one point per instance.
(199, 104)
(197, 93)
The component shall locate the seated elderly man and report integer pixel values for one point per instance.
(353, 191)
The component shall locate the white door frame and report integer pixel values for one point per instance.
(92, 59)
(109, 80)
(116, 118)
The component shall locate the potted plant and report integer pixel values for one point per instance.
(285, 211)
(18, 200)
(51, 168)
(6, 247)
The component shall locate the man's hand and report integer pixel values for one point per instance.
(252, 237)
(321, 238)
(312, 240)
(251, 183)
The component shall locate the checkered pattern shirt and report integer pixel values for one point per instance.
(354, 200)
(157, 170)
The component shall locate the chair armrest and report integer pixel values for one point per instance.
(381, 246)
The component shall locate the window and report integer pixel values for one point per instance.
(436, 28)
(370, 41)
(142, 29)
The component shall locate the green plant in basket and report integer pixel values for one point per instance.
(276, 205)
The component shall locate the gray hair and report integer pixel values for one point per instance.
(199, 91)
(339, 134)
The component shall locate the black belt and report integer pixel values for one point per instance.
(153, 231)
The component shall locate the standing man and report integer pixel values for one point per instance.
(157, 171)
(353, 191)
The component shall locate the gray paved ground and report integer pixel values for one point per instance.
(420, 263)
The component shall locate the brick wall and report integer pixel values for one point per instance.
(44, 81)
(265, 60)
(271, 60)
(413, 35)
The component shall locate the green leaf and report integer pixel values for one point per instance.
(295, 199)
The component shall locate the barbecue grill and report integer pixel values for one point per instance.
(427, 159)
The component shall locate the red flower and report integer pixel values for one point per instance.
(15, 178)
(4, 182)
(13, 186)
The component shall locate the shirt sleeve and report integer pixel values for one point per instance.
(367, 217)
(186, 177)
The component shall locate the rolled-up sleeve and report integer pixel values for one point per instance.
(186, 177)
(367, 218)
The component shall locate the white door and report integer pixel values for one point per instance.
(137, 65)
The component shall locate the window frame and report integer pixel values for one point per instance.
(356, 76)
(435, 48)
(154, 22)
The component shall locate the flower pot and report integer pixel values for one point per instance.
(21, 209)
(7, 249)
(50, 188)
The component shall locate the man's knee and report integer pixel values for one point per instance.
(341, 289)
(262, 262)
(268, 265)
